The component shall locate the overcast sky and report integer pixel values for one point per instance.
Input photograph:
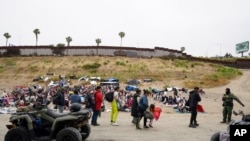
(203, 27)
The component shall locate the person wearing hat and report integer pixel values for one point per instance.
(227, 99)
(193, 100)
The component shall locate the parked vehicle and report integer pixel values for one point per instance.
(148, 80)
(84, 78)
(133, 82)
(94, 80)
(41, 123)
(109, 84)
(41, 78)
(131, 88)
(72, 76)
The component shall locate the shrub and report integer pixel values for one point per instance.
(91, 66)
(106, 62)
(120, 63)
(180, 63)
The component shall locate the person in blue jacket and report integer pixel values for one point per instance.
(142, 107)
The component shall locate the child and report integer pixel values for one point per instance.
(151, 109)
(156, 111)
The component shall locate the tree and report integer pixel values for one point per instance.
(7, 36)
(59, 49)
(228, 55)
(68, 39)
(121, 34)
(182, 49)
(98, 41)
(36, 32)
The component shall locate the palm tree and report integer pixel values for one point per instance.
(121, 34)
(98, 41)
(68, 39)
(7, 36)
(36, 32)
(182, 49)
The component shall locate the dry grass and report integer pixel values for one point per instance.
(24, 69)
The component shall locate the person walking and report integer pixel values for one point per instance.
(97, 107)
(227, 99)
(142, 107)
(193, 100)
(114, 107)
(134, 111)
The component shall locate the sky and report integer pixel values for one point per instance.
(204, 27)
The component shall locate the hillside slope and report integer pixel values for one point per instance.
(22, 70)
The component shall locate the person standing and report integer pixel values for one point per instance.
(97, 107)
(152, 110)
(227, 99)
(61, 99)
(114, 106)
(193, 100)
(142, 107)
(134, 112)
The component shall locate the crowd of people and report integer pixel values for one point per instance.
(173, 98)
(137, 103)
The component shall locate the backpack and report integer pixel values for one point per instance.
(89, 101)
(109, 96)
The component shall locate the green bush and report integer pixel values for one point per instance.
(106, 62)
(228, 72)
(120, 63)
(91, 66)
(181, 63)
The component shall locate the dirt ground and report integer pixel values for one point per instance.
(171, 125)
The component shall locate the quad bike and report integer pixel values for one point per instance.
(225, 136)
(40, 123)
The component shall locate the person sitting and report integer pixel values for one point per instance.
(170, 100)
(181, 106)
(75, 98)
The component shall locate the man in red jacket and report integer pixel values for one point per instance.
(97, 107)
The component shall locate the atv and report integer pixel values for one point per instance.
(225, 136)
(40, 123)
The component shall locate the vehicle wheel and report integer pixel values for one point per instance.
(215, 137)
(17, 134)
(85, 131)
(69, 134)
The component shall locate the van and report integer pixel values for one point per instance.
(110, 84)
